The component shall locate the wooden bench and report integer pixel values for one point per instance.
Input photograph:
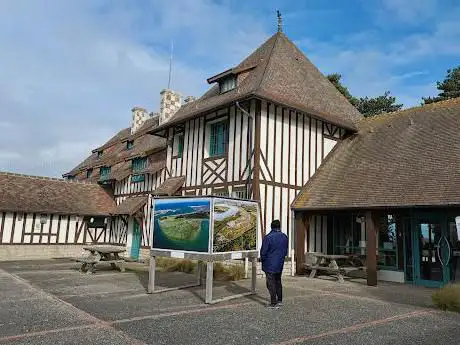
(319, 264)
(88, 263)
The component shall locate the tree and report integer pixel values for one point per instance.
(450, 87)
(367, 106)
(335, 80)
(377, 105)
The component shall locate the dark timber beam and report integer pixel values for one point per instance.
(371, 229)
(302, 225)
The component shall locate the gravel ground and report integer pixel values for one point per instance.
(50, 302)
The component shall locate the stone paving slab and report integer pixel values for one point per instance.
(18, 316)
(90, 336)
(432, 328)
(254, 324)
(66, 307)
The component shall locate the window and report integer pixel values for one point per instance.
(139, 164)
(180, 145)
(240, 194)
(105, 173)
(218, 139)
(99, 153)
(137, 178)
(227, 84)
(129, 144)
(70, 177)
(388, 243)
(220, 193)
(89, 172)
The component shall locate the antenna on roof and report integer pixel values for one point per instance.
(280, 21)
(170, 66)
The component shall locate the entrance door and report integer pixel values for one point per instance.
(431, 250)
(136, 241)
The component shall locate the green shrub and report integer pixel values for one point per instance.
(448, 298)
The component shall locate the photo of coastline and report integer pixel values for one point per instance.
(181, 224)
(235, 225)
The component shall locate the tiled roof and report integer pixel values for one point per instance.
(131, 205)
(280, 72)
(170, 186)
(115, 152)
(405, 158)
(23, 193)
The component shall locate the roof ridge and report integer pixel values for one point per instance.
(408, 110)
(37, 177)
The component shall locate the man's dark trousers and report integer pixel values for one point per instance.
(274, 287)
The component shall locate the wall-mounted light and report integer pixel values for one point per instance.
(91, 220)
(43, 219)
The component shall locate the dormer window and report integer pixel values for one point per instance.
(227, 84)
(99, 153)
(129, 144)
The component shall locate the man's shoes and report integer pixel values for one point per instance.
(273, 306)
(280, 303)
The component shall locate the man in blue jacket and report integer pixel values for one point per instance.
(272, 253)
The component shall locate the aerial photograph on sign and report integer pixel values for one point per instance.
(181, 224)
(235, 225)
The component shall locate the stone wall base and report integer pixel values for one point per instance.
(39, 251)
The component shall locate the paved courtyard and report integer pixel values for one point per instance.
(50, 302)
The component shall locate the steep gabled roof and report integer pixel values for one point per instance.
(23, 193)
(114, 150)
(405, 158)
(280, 72)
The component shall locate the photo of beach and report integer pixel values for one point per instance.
(181, 224)
(235, 225)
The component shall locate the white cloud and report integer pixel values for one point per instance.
(70, 71)
(412, 11)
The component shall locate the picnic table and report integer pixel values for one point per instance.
(338, 265)
(101, 254)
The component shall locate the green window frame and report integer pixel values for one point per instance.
(218, 140)
(139, 164)
(180, 145)
(105, 173)
(137, 178)
(129, 144)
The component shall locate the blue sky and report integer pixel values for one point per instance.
(70, 71)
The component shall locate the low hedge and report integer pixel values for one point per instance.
(448, 298)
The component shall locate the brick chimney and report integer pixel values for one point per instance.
(140, 115)
(170, 103)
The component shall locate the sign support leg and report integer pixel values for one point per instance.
(209, 279)
(254, 275)
(151, 286)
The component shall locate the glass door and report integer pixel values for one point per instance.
(431, 250)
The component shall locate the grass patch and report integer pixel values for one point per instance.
(221, 271)
(448, 298)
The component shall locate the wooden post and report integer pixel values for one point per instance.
(151, 286)
(371, 249)
(301, 226)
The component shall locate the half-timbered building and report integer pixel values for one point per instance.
(46, 217)
(389, 194)
(260, 132)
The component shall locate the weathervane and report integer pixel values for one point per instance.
(280, 21)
